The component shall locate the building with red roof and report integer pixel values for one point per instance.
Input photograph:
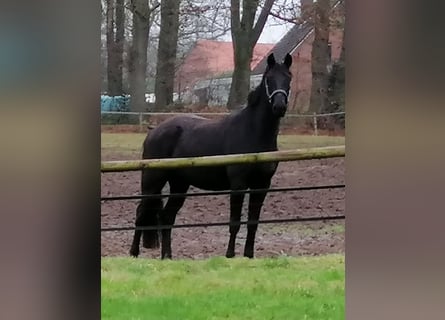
(210, 59)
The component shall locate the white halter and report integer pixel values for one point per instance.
(270, 95)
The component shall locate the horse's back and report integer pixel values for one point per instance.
(193, 136)
(190, 136)
(162, 141)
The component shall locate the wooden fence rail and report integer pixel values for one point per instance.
(287, 155)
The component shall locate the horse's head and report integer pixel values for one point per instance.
(277, 78)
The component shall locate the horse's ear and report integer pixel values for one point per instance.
(288, 60)
(271, 60)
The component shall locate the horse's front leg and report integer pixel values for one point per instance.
(236, 205)
(256, 201)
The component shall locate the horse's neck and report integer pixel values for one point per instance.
(264, 123)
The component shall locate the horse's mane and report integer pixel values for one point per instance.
(254, 96)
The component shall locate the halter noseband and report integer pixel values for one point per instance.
(270, 95)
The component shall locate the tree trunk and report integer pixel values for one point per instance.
(337, 81)
(336, 88)
(307, 7)
(245, 35)
(115, 46)
(320, 57)
(119, 45)
(138, 54)
(168, 44)
(111, 51)
(240, 86)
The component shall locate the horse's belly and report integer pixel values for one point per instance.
(265, 170)
(206, 178)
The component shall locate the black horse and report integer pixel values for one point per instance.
(252, 129)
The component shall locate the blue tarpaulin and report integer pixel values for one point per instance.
(118, 103)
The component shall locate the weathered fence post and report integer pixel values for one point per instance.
(140, 122)
(315, 124)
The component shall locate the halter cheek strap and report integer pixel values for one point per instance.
(270, 95)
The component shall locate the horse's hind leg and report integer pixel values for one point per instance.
(147, 211)
(134, 251)
(168, 216)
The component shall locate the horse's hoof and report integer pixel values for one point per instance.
(230, 254)
(248, 255)
(134, 252)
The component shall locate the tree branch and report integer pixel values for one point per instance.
(296, 20)
(259, 25)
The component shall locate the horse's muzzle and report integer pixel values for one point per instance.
(279, 110)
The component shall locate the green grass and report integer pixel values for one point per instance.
(219, 288)
(304, 141)
(122, 142)
(131, 143)
(309, 230)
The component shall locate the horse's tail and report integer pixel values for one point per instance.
(159, 143)
(150, 238)
(147, 216)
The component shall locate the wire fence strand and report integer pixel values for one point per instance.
(289, 115)
(221, 224)
(216, 193)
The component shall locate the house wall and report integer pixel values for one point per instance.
(216, 92)
(196, 66)
(302, 70)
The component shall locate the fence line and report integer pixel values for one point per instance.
(141, 121)
(216, 193)
(290, 115)
(246, 158)
(220, 224)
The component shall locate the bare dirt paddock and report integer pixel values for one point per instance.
(291, 239)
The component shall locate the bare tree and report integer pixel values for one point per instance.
(119, 44)
(321, 57)
(327, 94)
(167, 49)
(103, 47)
(142, 18)
(111, 58)
(199, 19)
(336, 91)
(336, 86)
(293, 11)
(115, 21)
(203, 19)
(109, 40)
(245, 34)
